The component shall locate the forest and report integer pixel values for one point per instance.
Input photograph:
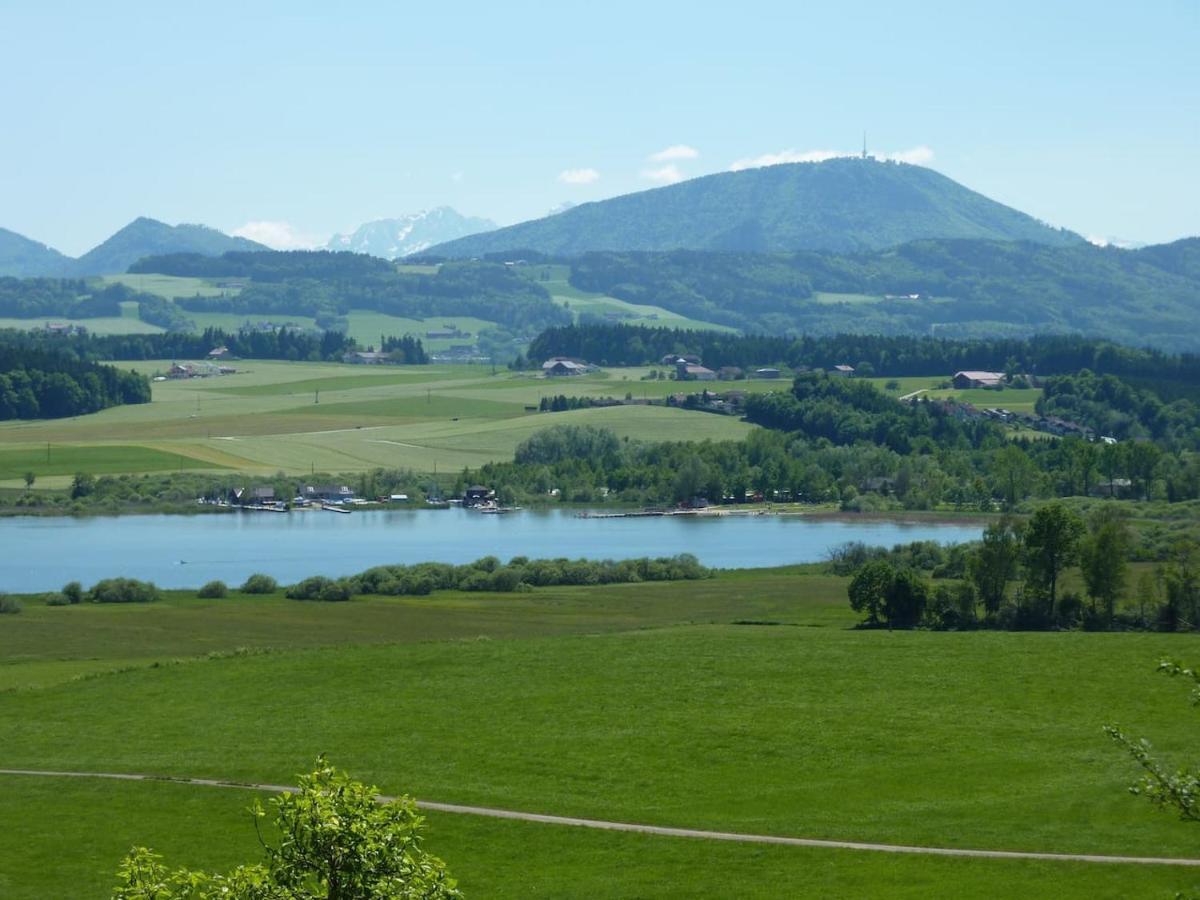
(327, 285)
(960, 288)
(69, 298)
(36, 384)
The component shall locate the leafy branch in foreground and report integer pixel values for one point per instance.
(337, 841)
(1179, 790)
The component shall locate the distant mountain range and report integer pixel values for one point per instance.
(407, 235)
(22, 257)
(841, 205)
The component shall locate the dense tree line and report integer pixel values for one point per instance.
(1012, 578)
(283, 343)
(924, 461)
(965, 288)
(68, 298)
(897, 355)
(1115, 407)
(847, 411)
(491, 575)
(36, 384)
(266, 265)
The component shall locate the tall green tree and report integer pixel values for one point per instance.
(994, 563)
(1013, 474)
(1051, 544)
(337, 842)
(1103, 557)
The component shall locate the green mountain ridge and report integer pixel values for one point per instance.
(23, 258)
(951, 288)
(841, 205)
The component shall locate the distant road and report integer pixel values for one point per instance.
(645, 829)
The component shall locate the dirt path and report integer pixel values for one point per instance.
(647, 829)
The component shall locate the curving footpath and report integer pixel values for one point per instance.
(644, 829)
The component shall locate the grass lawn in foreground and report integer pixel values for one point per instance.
(74, 832)
(588, 701)
(967, 740)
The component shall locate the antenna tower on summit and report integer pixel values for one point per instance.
(864, 156)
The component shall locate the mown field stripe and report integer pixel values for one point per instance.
(661, 830)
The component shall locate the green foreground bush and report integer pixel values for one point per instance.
(214, 590)
(259, 584)
(122, 590)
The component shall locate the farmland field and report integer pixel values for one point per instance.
(639, 703)
(295, 417)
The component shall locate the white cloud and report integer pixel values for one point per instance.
(278, 235)
(578, 176)
(917, 156)
(675, 152)
(668, 174)
(784, 156)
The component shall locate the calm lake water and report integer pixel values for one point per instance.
(186, 551)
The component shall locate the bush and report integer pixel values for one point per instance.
(9, 605)
(318, 587)
(214, 590)
(73, 591)
(122, 590)
(260, 584)
(57, 599)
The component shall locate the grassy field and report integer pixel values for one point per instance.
(642, 703)
(294, 417)
(171, 286)
(827, 299)
(98, 460)
(101, 325)
(554, 278)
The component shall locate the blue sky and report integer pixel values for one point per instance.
(317, 118)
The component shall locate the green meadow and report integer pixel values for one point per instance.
(743, 703)
(272, 416)
(554, 278)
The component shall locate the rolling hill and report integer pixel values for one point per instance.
(149, 237)
(842, 205)
(21, 257)
(24, 258)
(414, 233)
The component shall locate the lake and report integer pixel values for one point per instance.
(42, 554)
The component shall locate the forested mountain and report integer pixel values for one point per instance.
(148, 237)
(953, 288)
(845, 205)
(406, 235)
(20, 256)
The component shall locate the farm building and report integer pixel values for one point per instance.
(692, 372)
(842, 371)
(766, 372)
(366, 358)
(973, 379)
(563, 365)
